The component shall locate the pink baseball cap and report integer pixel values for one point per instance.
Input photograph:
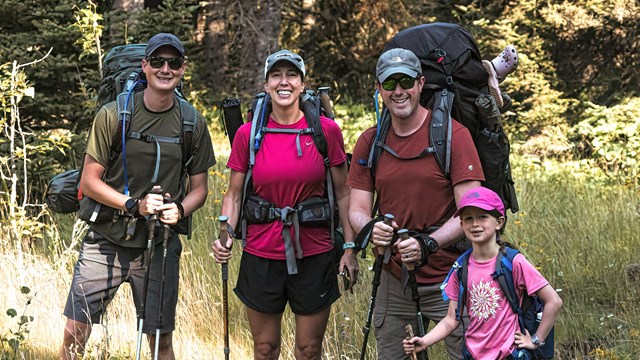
(482, 198)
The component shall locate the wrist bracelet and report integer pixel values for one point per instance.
(349, 245)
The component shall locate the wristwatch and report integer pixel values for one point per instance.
(432, 244)
(536, 341)
(131, 205)
(349, 245)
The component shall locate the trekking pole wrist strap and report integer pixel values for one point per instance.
(180, 209)
(230, 231)
(428, 246)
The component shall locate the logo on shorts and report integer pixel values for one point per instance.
(324, 293)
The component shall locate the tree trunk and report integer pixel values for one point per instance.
(212, 23)
(260, 22)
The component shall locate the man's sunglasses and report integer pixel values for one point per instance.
(405, 82)
(157, 62)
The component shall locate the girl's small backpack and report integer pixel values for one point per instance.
(529, 314)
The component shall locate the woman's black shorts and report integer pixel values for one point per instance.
(265, 286)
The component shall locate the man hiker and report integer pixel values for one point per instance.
(421, 198)
(113, 251)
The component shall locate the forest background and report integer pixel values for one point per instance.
(573, 128)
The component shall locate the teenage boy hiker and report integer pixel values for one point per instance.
(492, 330)
(421, 198)
(108, 257)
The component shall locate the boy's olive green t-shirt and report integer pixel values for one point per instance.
(141, 158)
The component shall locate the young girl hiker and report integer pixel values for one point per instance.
(493, 331)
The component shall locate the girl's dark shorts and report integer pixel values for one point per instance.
(103, 265)
(265, 286)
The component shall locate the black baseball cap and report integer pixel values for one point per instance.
(163, 39)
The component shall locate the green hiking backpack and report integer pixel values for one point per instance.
(122, 77)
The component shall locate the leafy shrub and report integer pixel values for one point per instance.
(610, 137)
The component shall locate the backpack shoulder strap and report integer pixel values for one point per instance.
(504, 276)
(440, 129)
(124, 111)
(259, 107)
(189, 120)
(311, 107)
(459, 268)
(377, 147)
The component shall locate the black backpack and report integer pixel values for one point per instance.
(122, 77)
(455, 86)
(529, 313)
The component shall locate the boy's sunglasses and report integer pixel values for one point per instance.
(157, 62)
(405, 82)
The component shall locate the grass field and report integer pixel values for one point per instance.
(582, 236)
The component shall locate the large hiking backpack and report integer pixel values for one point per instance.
(122, 77)
(120, 70)
(529, 313)
(455, 86)
(253, 208)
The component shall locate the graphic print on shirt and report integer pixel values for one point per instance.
(483, 300)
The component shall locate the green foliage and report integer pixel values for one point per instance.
(597, 48)
(11, 341)
(610, 137)
(42, 25)
(88, 24)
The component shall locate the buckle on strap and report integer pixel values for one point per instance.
(289, 217)
(285, 215)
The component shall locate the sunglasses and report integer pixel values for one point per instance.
(405, 82)
(157, 62)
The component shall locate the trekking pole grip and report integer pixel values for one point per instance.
(224, 237)
(153, 218)
(404, 235)
(386, 251)
(388, 220)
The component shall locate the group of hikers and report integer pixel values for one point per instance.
(287, 253)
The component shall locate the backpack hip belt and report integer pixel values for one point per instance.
(312, 212)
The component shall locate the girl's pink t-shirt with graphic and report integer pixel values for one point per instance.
(490, 334)
(283, 177)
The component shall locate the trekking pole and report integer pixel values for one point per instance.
(166, 233)
(224, 237)
(415, 295)
(377, 267)
(323, 94)
(148, 254)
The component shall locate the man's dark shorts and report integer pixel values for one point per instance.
(265, 286)
(102, 266)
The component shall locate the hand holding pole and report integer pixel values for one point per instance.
(377, 267)
(152, 222)
(415, 295)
